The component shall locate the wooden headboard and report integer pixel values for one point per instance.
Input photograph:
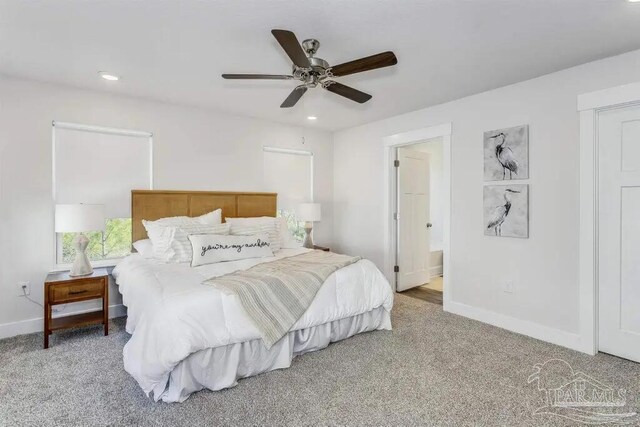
(155, 204)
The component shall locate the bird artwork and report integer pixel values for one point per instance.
(500, 213)
(506, 154)
(506, 210)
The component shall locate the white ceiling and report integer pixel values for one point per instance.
(176, 50)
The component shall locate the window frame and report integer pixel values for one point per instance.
(296, 152)
(57, 241)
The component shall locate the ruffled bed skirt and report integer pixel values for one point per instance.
(222, 367)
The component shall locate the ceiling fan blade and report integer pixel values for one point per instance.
(293, 97)
(381, 60)
(290, 44)
(256, 77)
(347, 92)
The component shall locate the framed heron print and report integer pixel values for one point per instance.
(506, 210)
(506, 154)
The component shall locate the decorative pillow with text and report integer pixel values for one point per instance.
(212, 248)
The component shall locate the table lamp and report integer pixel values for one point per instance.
(78, 218)
(309, 212)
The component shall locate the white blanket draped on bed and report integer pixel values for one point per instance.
(171, 314)
(275, 294)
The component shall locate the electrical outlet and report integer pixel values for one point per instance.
(24, 288)
(508, 287)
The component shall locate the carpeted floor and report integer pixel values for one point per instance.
(434, 368)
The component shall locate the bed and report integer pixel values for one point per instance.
(187, 335)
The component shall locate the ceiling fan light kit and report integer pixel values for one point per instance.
(312, 71)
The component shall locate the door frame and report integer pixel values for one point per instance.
(390, 143)
(590, 105)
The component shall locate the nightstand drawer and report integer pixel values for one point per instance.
(70, 292)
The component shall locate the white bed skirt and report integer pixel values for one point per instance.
(221, 367)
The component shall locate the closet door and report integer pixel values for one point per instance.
(619, 232)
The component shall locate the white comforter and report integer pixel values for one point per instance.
(171, 314)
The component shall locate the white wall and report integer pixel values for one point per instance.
(544, 268)
(194, 149)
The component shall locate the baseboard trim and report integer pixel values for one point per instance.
(519, 326)
(30, 326)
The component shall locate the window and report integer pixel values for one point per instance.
(296, 228)
(113, 243)
(101, 166)
(290, 174)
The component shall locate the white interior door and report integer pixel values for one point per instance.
(413, 219)
(619, 232)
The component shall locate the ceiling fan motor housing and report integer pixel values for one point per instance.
(317, 71)
(318, 66)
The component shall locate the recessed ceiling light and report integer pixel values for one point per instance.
(108, 76)
(312, 118)
(633, 1)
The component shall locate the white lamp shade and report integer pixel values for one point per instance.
(78, 218)
(309, 212)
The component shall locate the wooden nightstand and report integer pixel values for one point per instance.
(321, 248)
(60, 288)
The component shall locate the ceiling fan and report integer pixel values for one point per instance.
(313, 71)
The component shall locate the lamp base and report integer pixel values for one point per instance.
(81, 265)
(308, 240)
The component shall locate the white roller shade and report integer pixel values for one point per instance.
(100, 168)
(289, 175)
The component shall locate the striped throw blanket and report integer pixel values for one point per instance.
(276, 294)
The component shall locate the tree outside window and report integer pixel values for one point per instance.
(296, 227)
(114, 242)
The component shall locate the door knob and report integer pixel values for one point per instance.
(429, 225)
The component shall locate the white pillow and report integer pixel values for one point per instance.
(270, 230)
(212, 248)
(144, 247)
(171, 244)
(255, 225)
(162, 239)
(214, 217)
